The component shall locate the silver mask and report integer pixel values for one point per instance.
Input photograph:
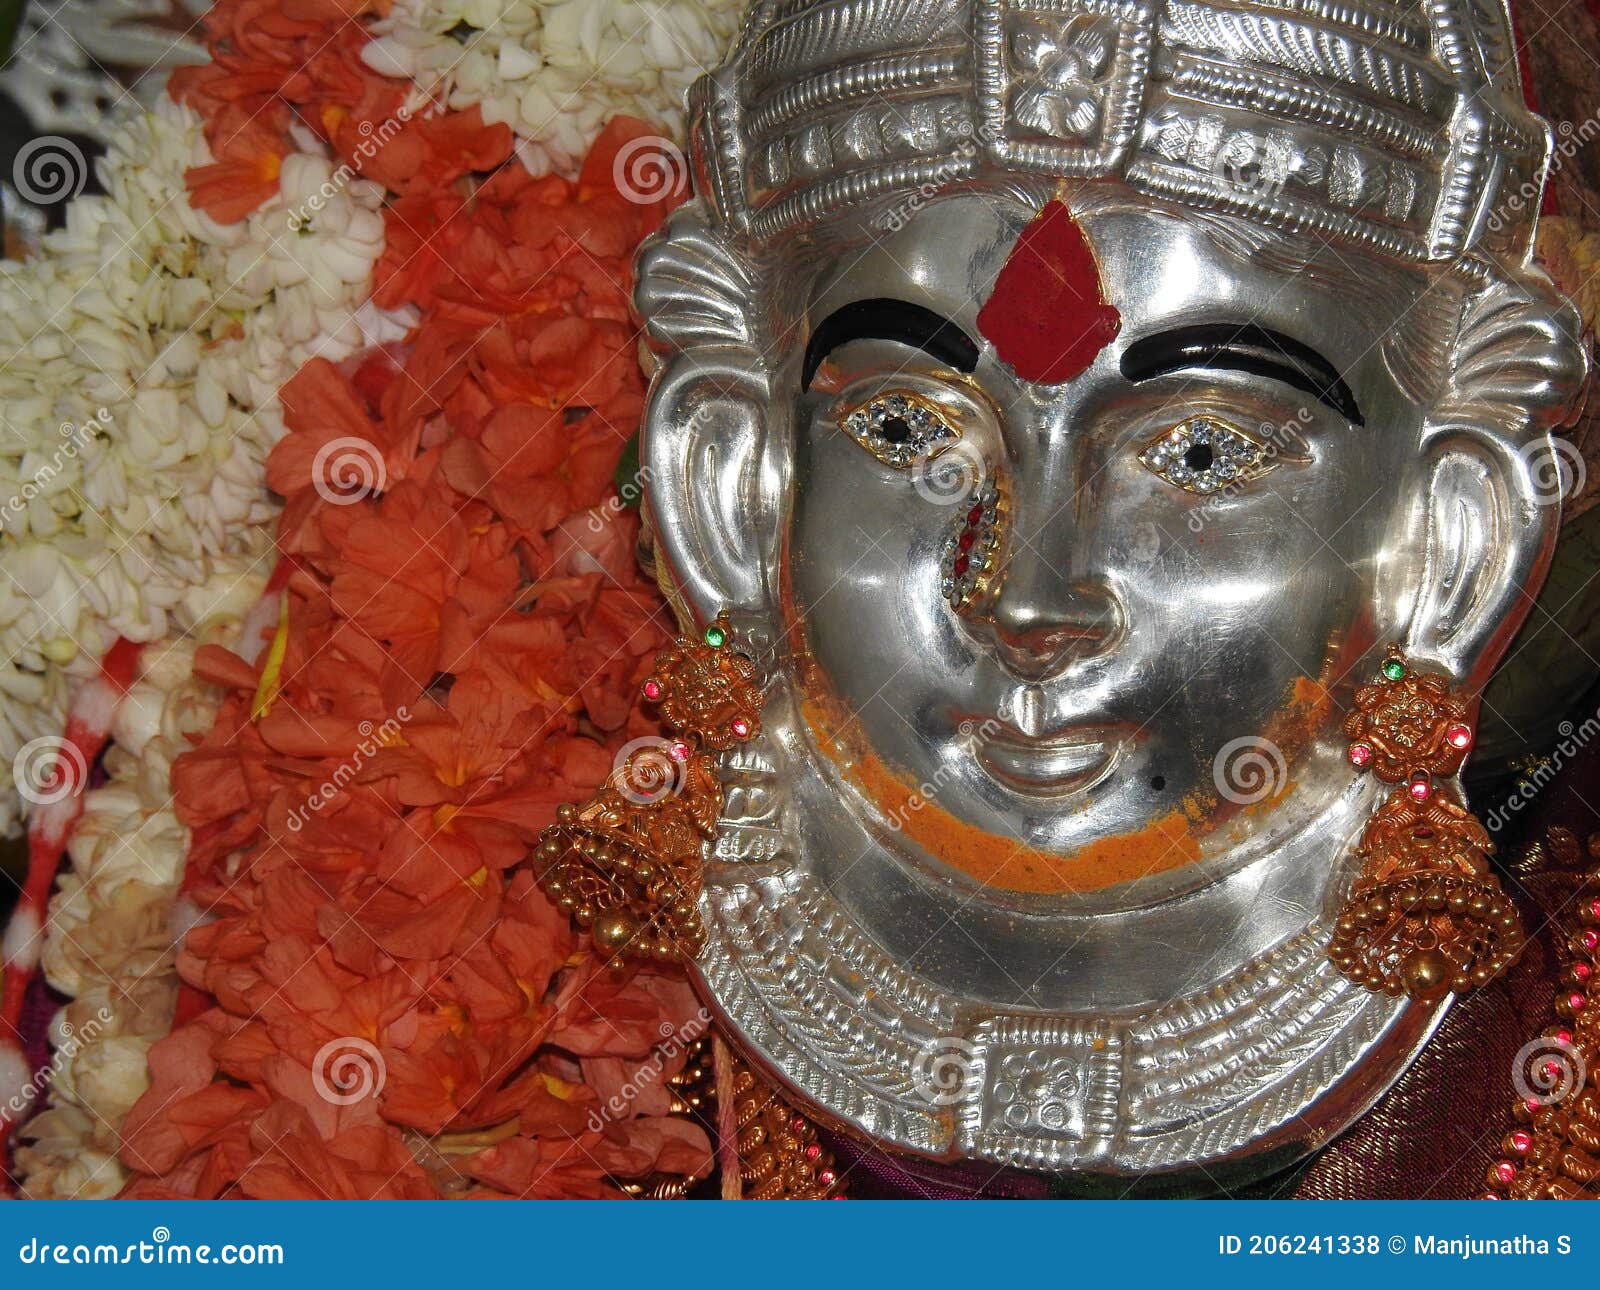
(1037, 868)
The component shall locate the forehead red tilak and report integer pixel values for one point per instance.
(1048, 316)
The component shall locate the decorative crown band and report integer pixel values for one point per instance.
(1397, 125)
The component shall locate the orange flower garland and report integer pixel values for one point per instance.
(459, 642)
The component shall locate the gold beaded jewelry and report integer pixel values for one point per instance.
(1427, 915)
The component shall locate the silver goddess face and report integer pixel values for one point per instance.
(1035, 859)
(1188, 562)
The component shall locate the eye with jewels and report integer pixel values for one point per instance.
(1204, 455)
(899, 427)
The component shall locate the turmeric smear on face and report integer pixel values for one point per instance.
(997, 861)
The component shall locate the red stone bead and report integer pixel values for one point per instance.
(1420, 788)
(1360, 754)
(1564, 1037)
(975, 514)
(1590, 940)
(1575, 1001)
(1505, 1172)
(966, 540)
(678, 750)
(1594, 908)
(813, 1152)
(1521, 1140)
(740, 727)
(1551, 1070)
(1533, 1105)
(798, 1124)
(960, 566)
(1581, 971)
(652, 690)
(1459, 737)
(827, 1178)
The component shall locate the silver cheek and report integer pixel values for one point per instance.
(1189, 1017)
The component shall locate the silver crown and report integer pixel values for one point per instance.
(1399, 126)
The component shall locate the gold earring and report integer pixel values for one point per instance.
(1427, 915)
(628, 863)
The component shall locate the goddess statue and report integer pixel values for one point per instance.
(1111, 433)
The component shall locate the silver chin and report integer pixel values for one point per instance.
(1177, 1016)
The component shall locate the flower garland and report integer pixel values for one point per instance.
(112, 942)
(282, 231)
(399, 1011)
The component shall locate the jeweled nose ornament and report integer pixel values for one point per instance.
(627, 864)
(1427, 916)
(972, 551)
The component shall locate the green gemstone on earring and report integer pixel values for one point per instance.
(1394, 669)
(716, 637)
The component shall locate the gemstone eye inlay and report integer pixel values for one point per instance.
(899, 428)
(1203, 454)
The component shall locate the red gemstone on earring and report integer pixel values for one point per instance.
(1459, 737)
(1420, 788)
(1581, 971)
(1360, 755)
(1590, 939)
(1575, 1001)
(740, 727)
(652, 690)
(1521, 1140)
(813, 1152)
(1505, 1172)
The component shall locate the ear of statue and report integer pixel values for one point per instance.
(1495, 479)
(711, 487)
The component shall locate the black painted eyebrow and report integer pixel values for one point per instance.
(1242, 347)
(883, 319)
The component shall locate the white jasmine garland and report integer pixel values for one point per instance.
(141, 354)
(113, 927)
(556, 71)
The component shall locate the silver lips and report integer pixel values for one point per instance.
(1058, 764)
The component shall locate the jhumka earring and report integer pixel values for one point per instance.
(1426, 915)
(627, 864)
